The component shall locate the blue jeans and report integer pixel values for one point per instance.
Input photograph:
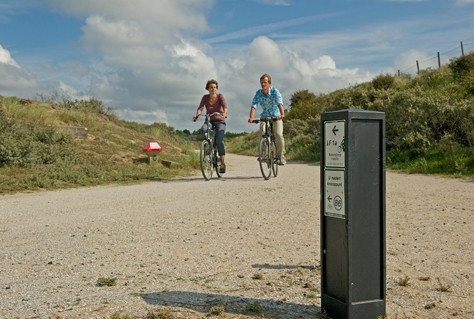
(220, 132)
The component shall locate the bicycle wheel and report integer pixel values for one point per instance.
(265, 159)
(217, 165)
(275, 159)
(205, 157)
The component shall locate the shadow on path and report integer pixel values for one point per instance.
(268, 266)
(201, 179)
(202, 302)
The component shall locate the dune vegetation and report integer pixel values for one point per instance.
(54, 142)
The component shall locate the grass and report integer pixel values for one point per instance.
(39, 153)
(404, 281)
(160, 314)
(106, 282)
(430, 305)
(254, 307)
(217, 310)
(41, 149)
(443, 160)
(443, 286)
(257, 276)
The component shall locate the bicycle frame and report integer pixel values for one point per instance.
(209, 160)
(268, 158)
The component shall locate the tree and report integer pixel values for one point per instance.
(303, 105)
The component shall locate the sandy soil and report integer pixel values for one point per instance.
(181, 247)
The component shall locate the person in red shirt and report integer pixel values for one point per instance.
(215, 102)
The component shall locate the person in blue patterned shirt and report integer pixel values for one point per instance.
(269, 98)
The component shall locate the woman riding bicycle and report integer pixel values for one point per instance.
(269, 98)
(215, 102)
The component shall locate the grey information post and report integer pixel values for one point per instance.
(334, 168)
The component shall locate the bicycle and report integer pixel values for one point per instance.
(267, 150)
(208, 158)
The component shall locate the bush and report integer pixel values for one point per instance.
(467, 86)
(26, 145)
(383, 82)
(462, 66)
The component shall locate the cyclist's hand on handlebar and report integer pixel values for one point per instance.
(250, 120)
(195, 118)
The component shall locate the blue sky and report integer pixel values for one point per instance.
(150, 59)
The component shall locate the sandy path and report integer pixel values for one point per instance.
(167, 246)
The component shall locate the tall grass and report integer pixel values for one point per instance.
(38, 151)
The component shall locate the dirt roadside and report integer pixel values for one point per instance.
(247, 244)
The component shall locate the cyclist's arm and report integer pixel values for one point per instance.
(200, 107)
(282, 111)
(252, 114)
(198, 112)
(224, 105)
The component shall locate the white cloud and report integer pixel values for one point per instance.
(14, 81)
(158, 15)
(275, 2)
(6, 58)
(406, 61)
(70, 92)
(463, 2)
(151, 59)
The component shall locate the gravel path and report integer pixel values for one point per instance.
(255, 249)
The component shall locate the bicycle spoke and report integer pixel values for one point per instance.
(275, 160)
(217, 165)
(206, 160)
(265, 158)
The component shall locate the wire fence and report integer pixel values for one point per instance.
(440, 59)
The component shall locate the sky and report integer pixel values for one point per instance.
(149, 60)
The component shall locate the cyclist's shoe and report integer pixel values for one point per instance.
(258, 159)
(222, 169)
(282, 160)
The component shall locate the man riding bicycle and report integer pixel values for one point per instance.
(271, 101)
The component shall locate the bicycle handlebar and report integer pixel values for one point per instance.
(215, 114)
(267, 119)
(208, 115)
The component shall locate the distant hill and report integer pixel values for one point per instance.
(49, 145)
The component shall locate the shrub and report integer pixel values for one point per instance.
(26, 145)
(462, 66)
(383, 82)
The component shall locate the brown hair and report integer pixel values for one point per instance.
(269, 78)
(211, 82)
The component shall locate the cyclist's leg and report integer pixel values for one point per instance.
(279, 140)
(262, 132)
(262, 127)
(204, 130)
(220, 132)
